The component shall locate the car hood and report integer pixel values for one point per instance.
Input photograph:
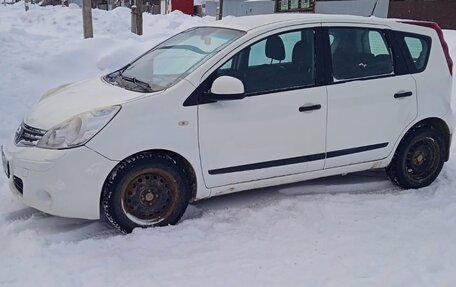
(64, 102)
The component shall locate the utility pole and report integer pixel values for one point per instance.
(220, 10)
(87, 18)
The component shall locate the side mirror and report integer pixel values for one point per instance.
(226, 88)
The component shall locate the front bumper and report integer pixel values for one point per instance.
(66, 183)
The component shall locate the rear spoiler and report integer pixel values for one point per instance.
(439, 31)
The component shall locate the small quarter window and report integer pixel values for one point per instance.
(418, 48)
(228, 65)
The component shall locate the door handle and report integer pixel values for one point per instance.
(309, 108)
(402, 95)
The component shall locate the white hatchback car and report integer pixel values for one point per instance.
(239, 104)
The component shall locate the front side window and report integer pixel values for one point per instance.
(175, 58)
(359, 53)
(278, 62)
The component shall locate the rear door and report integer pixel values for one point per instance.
(371, 98)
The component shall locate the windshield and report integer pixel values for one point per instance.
(175, 58)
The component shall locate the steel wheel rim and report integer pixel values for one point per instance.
(149, 197)
(422, 159)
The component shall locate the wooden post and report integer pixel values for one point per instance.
(87, 18)
(220, 10)
(139, 19)
(136, 17)
(133, 18)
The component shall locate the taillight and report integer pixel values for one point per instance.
(439, 31)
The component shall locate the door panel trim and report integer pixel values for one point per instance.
(347, 151)
(295, 160)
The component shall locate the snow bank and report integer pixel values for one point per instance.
(357, 230)
(44, 47)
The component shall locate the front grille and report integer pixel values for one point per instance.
(18, 184)
(28, 136)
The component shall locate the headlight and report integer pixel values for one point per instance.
(78, 130)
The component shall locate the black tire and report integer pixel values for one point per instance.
(418, 159)
(145, 190)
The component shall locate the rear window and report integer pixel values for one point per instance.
(417, 50)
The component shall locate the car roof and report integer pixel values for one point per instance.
(247, 23)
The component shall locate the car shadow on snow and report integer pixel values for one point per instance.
(365, 182)
(57, 229)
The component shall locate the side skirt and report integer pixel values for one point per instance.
(299, 177)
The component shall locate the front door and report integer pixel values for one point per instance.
(279, 128)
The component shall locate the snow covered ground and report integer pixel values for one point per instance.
(356, 230)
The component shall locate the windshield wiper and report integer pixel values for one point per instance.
(144, 85)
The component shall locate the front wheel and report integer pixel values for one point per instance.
(146, 190)
(418, 159)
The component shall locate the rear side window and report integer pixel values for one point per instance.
(417, 50)
(359, 53)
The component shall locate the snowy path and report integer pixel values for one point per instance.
(354, 230)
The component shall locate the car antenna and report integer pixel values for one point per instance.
(373, 9)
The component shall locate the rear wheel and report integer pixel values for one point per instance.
(146, 190)
(418, 159)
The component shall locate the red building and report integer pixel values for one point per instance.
(441, 11)
(186, 6)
